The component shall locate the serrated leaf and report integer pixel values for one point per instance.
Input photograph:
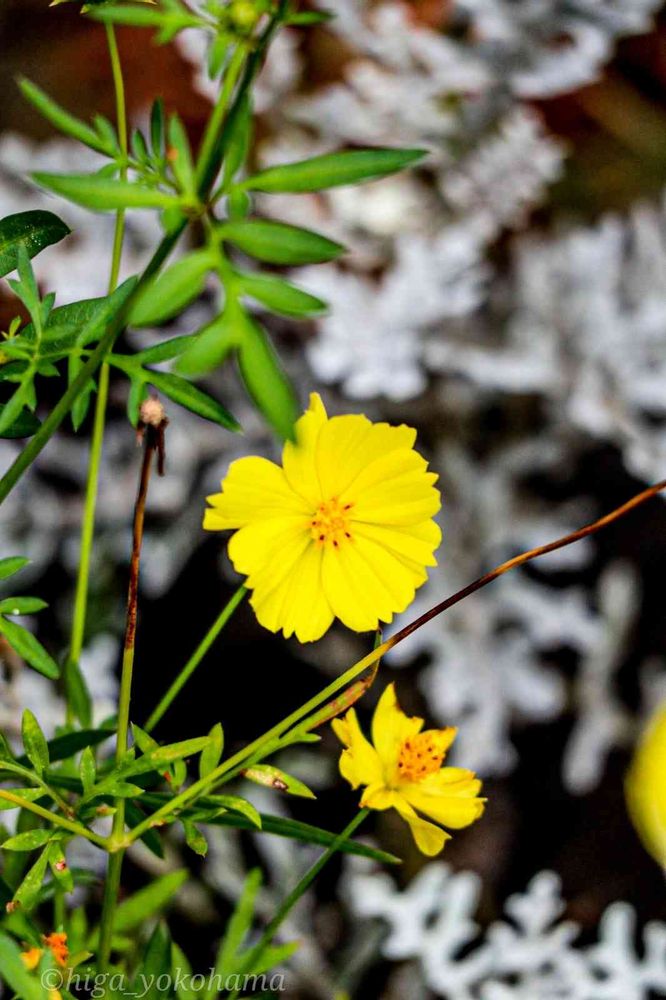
(211, 755)
(28, 841)
(22, 605)
(34, 742)
(104, 194)
(266, 382)
(281, 296)
(333, 170)
(11, 565)
(172, 291)
(274, 777)
(185, 394)
(33, 231)
(279, 243)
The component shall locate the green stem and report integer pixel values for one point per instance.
(195, 659)
(111, 889)
(65, 824)
(246, 753)
(290, 901)
(92, 484)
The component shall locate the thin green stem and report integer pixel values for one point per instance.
(195, 659)
(97, 440)
(65, 824)
(293, 897)
(111, 889)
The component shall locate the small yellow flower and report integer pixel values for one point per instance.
(403, 770)
(31, 958)
(56, 943)
(646, 787)
(342, 530)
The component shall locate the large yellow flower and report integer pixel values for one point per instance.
(402, 769)
(343, 530)
(646, 788)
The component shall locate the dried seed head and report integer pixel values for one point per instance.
(152, 412)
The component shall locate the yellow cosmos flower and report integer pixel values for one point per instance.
(342, 530)
(402, 769)
(646, 788)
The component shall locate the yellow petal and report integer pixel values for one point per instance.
(413, 544)
(378, 797)
(296, 604)
(31, 958)
(350, 444)
(268, 548)
(299, 457)
(646, 788)
(429, 839)
(402, 500)
(390, 728)
(452, 810)
(399, 576)
(359, 763)
(254, 488)
(355, 607)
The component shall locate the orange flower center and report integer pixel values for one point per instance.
(331, 523)
(421, 755)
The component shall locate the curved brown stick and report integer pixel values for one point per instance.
(524, 557)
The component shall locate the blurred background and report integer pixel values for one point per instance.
(507, 298)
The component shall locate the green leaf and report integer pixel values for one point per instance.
(172, 291)
(78, 693)
(156, 967)
(11, 565)
(28, 841)
(210, 755)
(22, 605)
(145, 903)
(195, 839)
(161, 757)
(103, 194)
(169, 22)
(28, 891)
(13, 412)
(185, 394)
(273, 777)
(333, 170)
(63, 120)
(59, 867)
(62, 747)
(81, 405)
(34, 742)
(157, 129)
(88, 770)
(136, 396)
(238, 926)
(281, 296)
(180, 156)
(23, 425)
(33, 231)
(14, 972)
(266, 382)
(242, 806)
(166, 350)
(29, 648)
(278, 243)
(238, 141)
(150, 838)
(210, 346)
(65, 327)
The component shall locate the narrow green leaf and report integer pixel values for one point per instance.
(104, 194)
(211, 754)
(211, 345)
(11, 565)
(180, 156)
(88, 770)
(28, 841)
(145, 903)
(242, 806)
(195, 839)
(238, 141)
(26, 794)
(59, 867)
(62, 120)
(166, 350)
(237, 927)
(185, 394)
(333, 170)
(33, 231)
(273, 777)
(278, 243)
(29, 648)
(34, 742)
(172, 291)
(23, 425)
(135, 397)
(62, 747)
(266, 382)
(14, 972)
(281, 296)
(14, 416)
(22, 605)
